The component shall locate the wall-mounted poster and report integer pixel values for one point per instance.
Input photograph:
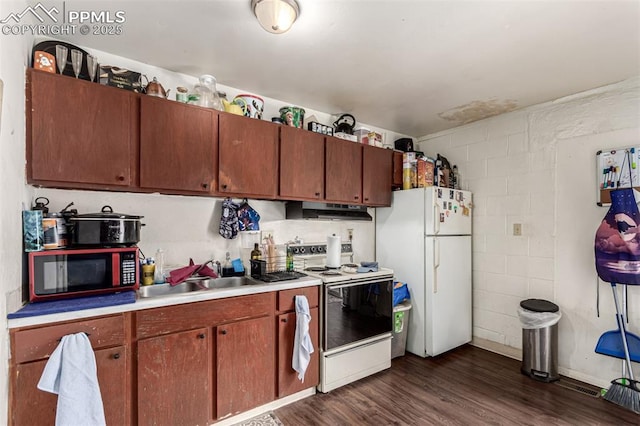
(617, 168)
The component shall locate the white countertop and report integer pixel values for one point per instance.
(168, 300)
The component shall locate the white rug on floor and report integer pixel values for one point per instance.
(266, 419)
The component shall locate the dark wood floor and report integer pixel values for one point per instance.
(468, 386)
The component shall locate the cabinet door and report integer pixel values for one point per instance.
(301, 164)
(377, 174)
(288, 382)
(178, 146)
(248, 157)
(173, 379)
(245, 365)
(397, 169)
(343, 171)
(80, 132)
(31, 406)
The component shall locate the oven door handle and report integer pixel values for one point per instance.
(355, 283)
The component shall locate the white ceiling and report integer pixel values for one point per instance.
(414, 67)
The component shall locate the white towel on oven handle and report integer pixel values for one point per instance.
(71, 373)
(302, 344)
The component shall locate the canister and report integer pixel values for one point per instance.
(148, 270)
(32, 230)
(50, 233)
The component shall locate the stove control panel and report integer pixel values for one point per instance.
(317, 249)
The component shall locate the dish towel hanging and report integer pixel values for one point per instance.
(71, 373)
(302, 344)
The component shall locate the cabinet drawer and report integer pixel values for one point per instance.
(286, 298)
(38, 343)
(154, 322)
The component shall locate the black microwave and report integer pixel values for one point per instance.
(57, 274)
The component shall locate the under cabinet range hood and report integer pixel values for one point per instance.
(326, 211)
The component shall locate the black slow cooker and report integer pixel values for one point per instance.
(105, 229)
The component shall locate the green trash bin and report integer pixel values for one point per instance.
(401, 314)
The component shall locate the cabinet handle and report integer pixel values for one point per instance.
(121, 178)
(224, 187)
(356, 197)
(205, 185)
(317, 194)
(201, 336)
(116, 356)
(284, 320)
(366, 198)
(223, 331)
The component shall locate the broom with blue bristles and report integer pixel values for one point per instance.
(624, 392)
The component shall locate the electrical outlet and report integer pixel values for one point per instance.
(517, 229)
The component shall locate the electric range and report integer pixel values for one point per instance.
(356, 316)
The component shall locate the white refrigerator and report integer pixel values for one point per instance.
(425, 237)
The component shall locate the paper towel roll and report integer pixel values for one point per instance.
(334, 250)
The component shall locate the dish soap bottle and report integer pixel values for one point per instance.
(227, 267)
(289, 259)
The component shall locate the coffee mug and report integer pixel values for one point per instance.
(292, 116)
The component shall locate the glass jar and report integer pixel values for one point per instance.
(206, 94)
(158, 275)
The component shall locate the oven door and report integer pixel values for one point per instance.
(354, 311)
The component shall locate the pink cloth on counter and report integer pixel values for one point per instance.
(178, 276)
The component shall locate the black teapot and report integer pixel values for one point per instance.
(345, 124)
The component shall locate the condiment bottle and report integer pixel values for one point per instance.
(289, 259)
(256, 254)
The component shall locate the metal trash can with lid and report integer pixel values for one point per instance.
(400, 326)
(539, 320)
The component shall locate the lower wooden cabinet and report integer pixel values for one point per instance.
(173, 379)
(288, 382)
(191, 364)
(30, 351)
(245, 365)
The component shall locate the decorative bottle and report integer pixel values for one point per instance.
(256, 254)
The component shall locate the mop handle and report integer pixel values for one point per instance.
(623, 331)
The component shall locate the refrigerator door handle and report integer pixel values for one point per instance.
(436, 217)
(436, 263)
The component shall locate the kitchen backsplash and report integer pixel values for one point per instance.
(187, 227)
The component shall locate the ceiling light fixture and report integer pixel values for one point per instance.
(276, 16)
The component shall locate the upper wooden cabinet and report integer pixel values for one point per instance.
(79, 133)
(84, 135)
(377, 173)
(248, 157)
(178, 146)
(343, 171)
(301, 164)
(397, 170)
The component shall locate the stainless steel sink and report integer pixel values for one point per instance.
(195, 284)
(228, 282)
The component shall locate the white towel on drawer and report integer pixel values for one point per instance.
(302, 345)
(72, 374)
